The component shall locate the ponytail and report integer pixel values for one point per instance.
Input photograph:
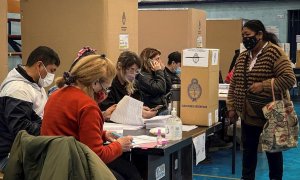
(269, 36)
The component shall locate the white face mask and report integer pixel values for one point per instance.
(47, 80)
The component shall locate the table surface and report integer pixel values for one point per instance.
(173, 145)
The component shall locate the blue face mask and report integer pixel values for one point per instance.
(178, 71)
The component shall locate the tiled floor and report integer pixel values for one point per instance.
(219, 164)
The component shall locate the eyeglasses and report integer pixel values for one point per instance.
(105, 90)
(133, 71)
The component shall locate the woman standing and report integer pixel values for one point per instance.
(250, 90)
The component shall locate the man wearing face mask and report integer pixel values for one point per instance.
(23, 97)
(250, 90)
(173, 67)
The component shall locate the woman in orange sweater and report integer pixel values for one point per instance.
(73, 111)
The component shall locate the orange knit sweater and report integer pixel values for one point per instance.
(70, 112)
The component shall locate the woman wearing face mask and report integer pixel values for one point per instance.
(128, 66)
(153, 80)
(73, 111)
(250, 90)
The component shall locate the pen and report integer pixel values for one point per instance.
(116, 134)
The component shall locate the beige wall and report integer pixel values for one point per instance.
(68, 25)
(226, 36)
(3, 40)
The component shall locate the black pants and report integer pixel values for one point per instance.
(123, 169)
(250, 140)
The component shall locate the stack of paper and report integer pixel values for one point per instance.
(157, 121)
(115, 127)
(128, 111)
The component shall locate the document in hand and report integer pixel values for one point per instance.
(128, 111)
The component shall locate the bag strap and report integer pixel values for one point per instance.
(272, 87)
(288, 97)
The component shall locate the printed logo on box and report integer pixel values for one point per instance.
(199, 27)
(194, 90)
(123, 28)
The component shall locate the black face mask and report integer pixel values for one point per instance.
(250, 42)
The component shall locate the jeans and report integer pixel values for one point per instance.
(3, 163)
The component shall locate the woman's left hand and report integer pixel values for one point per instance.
(256, 87)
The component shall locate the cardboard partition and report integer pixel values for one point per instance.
(108, 26)
(199, 86)
(224, 34)
(13, 6)
(3, 40)
(170, 30)
(298, 58)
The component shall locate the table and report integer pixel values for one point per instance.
(173, 161)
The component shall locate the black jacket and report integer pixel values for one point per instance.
(21, 107)
(154, 86)
(173, 78)
(117, 92)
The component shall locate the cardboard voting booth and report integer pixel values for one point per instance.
(199, 86)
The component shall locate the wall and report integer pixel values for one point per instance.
(3, 40)
(272, 13)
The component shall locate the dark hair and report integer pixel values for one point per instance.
(174, 56)
(257, 26)
(44, 54)
(127, 59)
(146, 54)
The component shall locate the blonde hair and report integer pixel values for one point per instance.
(130, 86)
(88, 70)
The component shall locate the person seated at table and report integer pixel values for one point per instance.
(73, 111)
(173, 67)
(153, 81)
(128, 66)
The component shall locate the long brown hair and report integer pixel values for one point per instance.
(125, 61)
(146, 55)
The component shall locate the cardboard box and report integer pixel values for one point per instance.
(199, 86)
(298, 58)
(171, 30)
(224, 34)
(108, 26)
(3, 40)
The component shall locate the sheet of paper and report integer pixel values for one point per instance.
(158, 118)
(115, 127)
(188, 127)
(128, 111)
(199, 144)
(142, 139)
